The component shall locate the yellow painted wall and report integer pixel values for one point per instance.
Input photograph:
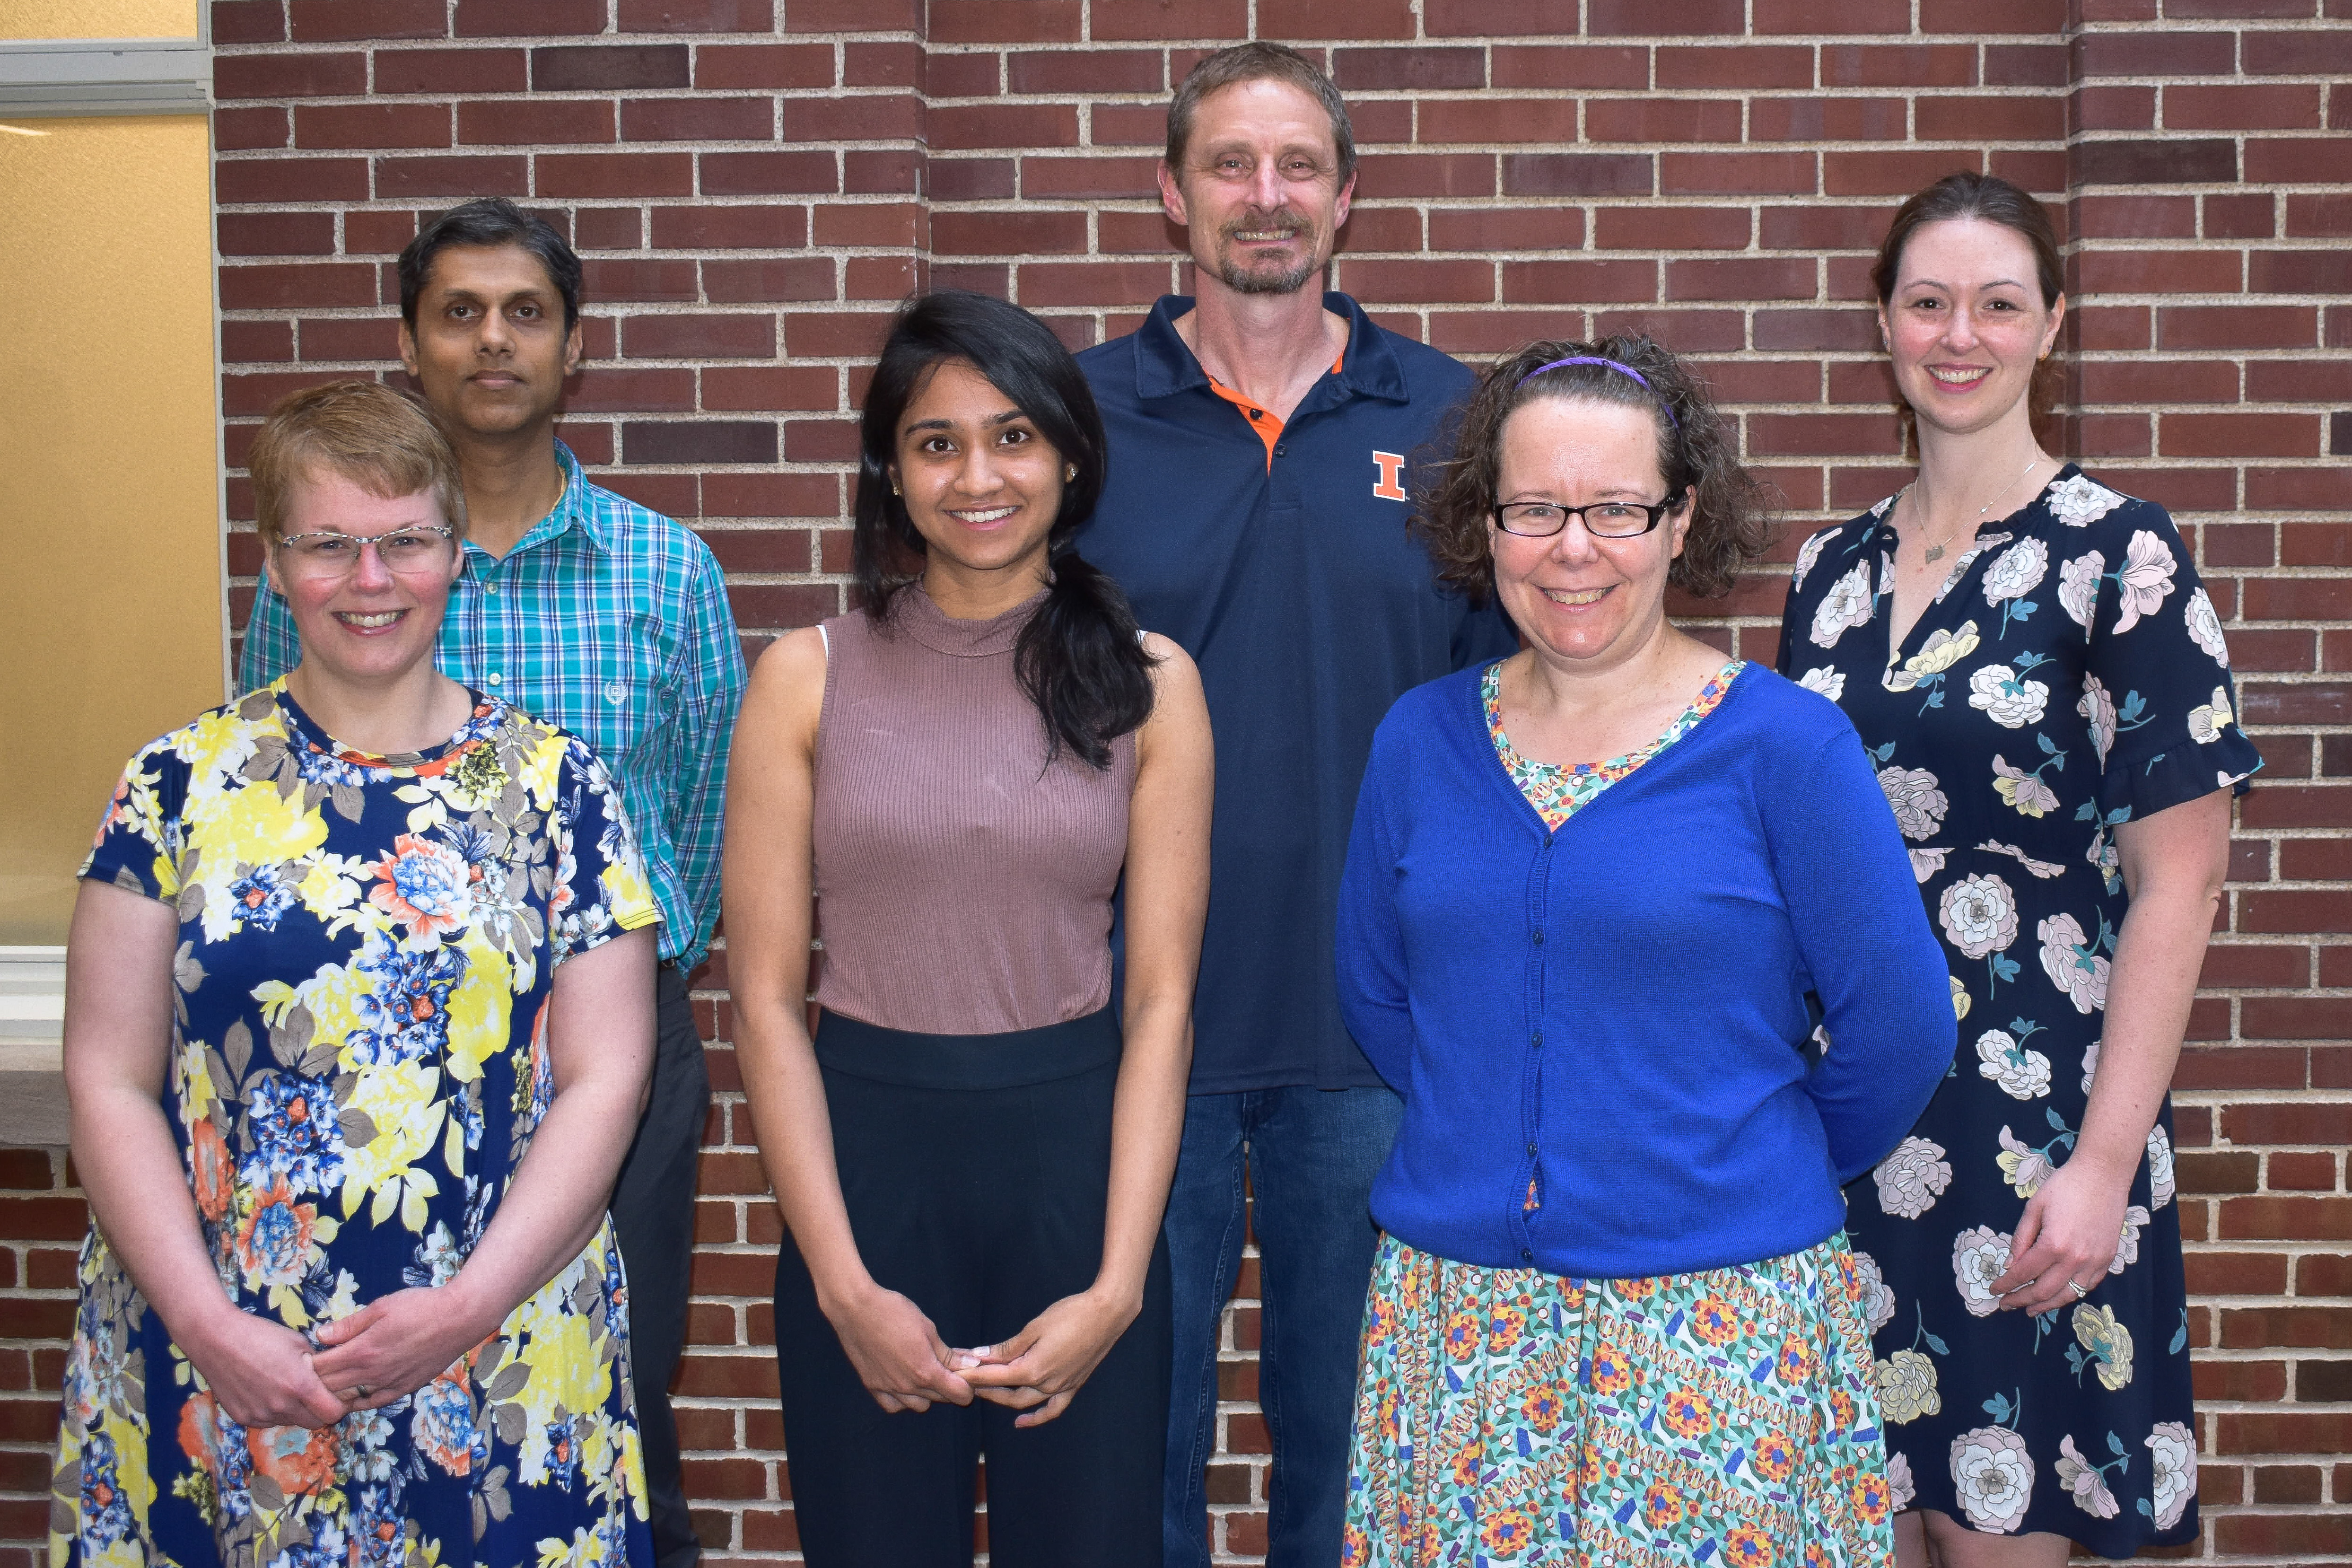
(97, 19)
(110, 516)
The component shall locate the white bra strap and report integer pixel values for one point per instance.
(827, 641)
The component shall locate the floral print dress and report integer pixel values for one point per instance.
(358, 1063)
(1507, 1417)
(2069, 677)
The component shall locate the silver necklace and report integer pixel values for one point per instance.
(1935, 551)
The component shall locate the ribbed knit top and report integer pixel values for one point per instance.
(963, 885)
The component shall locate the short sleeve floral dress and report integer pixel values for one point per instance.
(2069, 677)
(358, 1064)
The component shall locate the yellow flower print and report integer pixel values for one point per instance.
(1942, 650)
(2108, 1342)
(219, 742)
(480, 1008)
(253, 826)
(1906, 1386)
(580, 1552)
(626, 890)
(542, 772)
(1959, 997)
(403, 1101)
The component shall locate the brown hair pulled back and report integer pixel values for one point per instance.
(1731, 523)
(1988, 198)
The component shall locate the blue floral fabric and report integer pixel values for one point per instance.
(2070, 677)
(358, 1064)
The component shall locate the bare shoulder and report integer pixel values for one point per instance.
(787, 690)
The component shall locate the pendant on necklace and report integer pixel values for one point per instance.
(1935, 552)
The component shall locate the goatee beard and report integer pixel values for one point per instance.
(1244, 280)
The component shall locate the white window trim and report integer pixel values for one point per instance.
(42, 77)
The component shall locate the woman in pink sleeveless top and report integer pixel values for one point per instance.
(970, 1151)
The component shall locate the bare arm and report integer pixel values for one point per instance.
(118, 1042)
(600, 1046)
(767, 893)
(1040, 1369)
(2174, 863)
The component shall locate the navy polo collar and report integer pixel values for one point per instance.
(1165, 365)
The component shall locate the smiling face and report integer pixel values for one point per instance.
(1966, 323)
(369, 625)
(1260, 192)
(490, 346)
(982, 485)
(1576, 597)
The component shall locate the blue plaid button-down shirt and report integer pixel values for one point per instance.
(612, 622)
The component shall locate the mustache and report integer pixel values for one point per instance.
(1280, 217)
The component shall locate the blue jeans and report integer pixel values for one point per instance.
(1312, 1157)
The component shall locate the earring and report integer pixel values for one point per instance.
(1069, 472)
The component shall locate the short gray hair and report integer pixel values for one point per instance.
(1257, 60)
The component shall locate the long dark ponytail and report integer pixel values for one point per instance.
(1079, 659)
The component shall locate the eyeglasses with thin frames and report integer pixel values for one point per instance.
(1603, 520)
(328, 554)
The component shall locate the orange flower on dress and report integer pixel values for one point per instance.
(1840, 1410)
(200, 1432)
(211, 1171)
(1542, 1408)
(1503, 1326)
(1774, 1458)
(1687, 1414)
(297, 1459)
(428, 886)
(1508, 1531)
(1869, 1499)
(1381, 1323)
(1745, 1548)
(1355, 1547)
(1797, 1361)
(1662, 1505)
(1612, 1371)
(273, 1243)
(1713, 1321)
(1462, 1335)
(1637, 1290)
(1467, 1465)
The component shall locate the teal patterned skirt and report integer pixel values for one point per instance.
(1508, 1418)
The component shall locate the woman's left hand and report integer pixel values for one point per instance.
(1040, 1369)
(2072, 1226)
(393, 1346)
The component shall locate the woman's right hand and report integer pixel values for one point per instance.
(260, 1372)
(899, 1355)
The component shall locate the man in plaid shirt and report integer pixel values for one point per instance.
(589, 612)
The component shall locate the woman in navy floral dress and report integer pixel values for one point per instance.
(2044, 684)
(356, 1031)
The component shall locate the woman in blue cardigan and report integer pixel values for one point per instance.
(1598, 895)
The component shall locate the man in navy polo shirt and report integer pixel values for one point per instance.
(1255, 511)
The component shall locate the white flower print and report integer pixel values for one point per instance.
(1877, 1298)
(2022, 1074)
(2172, 1457)
(1827, 679)
(2016, 572)
(1811, 552)
(2068, 958)
(1899, 1483)
(1849, 603)
(2205, 627)
(2090, 1070)
(2007, 700)
(1910, 1178)
(1993, 1476)
(2127, 1245)
(2144, 578)
(2079, 502)
(1960, 568)
(1978, 915)
(1919, 805)
(2042, 870)
(2085, 1482)
(2099, 707)
(2024, 1166)
(2023, 790)
(2159, 1164)
(1980, 1257)
(2206, 723)
(2078, 587)
(1926, 863)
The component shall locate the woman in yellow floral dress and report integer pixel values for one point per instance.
(348, 950)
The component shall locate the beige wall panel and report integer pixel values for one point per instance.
(97, 19)
(110, 518)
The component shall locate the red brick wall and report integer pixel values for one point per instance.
(754, 182)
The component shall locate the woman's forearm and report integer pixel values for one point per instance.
(139, 1194)
(2158, 953)
(1146, 1127)
(786, 1091)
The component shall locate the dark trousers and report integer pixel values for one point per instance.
(1310, 1156)
(984, 1207)
(653, 1214)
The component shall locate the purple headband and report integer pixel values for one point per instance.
(1663, 407)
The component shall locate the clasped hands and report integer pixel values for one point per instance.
(905, 1366)
(265, 1374)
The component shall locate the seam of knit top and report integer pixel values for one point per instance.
(1619, 1006)
(963, 884)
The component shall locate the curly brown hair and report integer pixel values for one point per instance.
(1731, 516)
